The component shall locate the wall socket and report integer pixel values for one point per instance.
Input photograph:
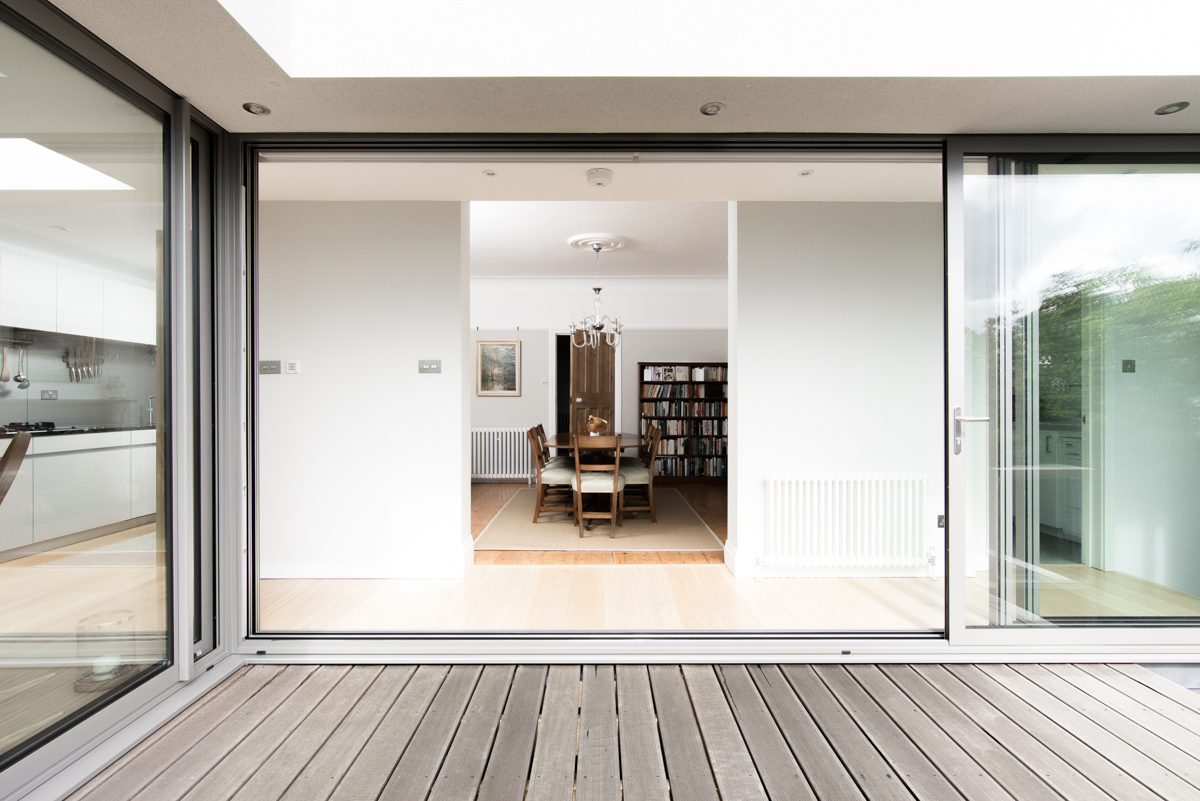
(49, 394)
(429, 366)
(269, 367)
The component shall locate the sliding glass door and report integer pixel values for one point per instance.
(1077, 430)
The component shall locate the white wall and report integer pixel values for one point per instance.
(663, 347)
(532, 406)
(838, 355)
(660, 302)
(361, 471)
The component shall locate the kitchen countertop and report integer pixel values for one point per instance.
(6, 434)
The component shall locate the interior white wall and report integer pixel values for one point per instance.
(664, 347)
(361, 469)
(551, 303)
(838, 351)
(532, 406)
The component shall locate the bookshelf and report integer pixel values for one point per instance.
(689, 402)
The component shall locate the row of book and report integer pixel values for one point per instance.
(685, 409)
(683, 373)
(699, 446)
(682, 390)
(691, 428)
(665, 390)
(712, 466)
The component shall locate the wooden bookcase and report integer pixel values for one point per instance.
(692, 411)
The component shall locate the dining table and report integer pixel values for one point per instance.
(628, 440)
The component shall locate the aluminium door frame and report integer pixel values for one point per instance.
(1048, 643)
(956, 644)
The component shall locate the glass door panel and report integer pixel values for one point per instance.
(1080, 430)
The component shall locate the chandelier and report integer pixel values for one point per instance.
(596, 326)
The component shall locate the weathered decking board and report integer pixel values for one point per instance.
(649, 733)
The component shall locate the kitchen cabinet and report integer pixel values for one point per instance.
(1061, 484)
(28, 293)
(16, 513)
(143, 472)
(80, 303)
(45, 297)
(129, 312)
(80, 481)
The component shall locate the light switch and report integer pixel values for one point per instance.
(291, 367)
(429, 366)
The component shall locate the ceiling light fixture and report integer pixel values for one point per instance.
(1171, 108)
(28, 165)
(490, 173)
(257, 108)
(592, 327)
(712, 109)
(805, 173)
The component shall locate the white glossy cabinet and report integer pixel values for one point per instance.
(28, 293)
(143, 467)
(75, 482)
(129, 312)
(47, 297)
(1061, 484)
(80, 303)
(16, 513)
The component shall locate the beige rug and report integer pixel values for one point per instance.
(679, 528)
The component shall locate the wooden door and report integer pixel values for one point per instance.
(593, 385)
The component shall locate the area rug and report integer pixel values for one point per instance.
(679, 528)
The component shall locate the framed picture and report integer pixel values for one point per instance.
(497, 367)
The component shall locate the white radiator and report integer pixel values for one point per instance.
(844, 524)
(500, 453)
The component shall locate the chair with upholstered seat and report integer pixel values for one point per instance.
(551, 459)
(600, 476)
(554, 493)
(639, 474)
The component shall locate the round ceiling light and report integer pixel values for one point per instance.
(589, 241)
(712, 109)
(490, 173)
(257, 108)
(1171, 108)
(805, 173)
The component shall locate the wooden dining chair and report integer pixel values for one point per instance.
(551, 459)
(599, 476)
(554, 492)
(639, 474)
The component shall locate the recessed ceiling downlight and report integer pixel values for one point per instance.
(805, 173)
(257, 108)
(1171, 108)
(589, 241)
(490, 173)
(712, 109)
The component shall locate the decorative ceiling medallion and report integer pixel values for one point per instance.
(589, 241)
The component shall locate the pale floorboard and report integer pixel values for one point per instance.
(858, 733)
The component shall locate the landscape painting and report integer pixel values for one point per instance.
(498, 367)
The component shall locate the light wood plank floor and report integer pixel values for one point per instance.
(659, 732)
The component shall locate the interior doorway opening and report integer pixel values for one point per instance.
(804, 276)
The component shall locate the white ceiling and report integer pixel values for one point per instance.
(915, 181)
(529, 238)
(197, 49)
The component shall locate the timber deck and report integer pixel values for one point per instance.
(689, 733)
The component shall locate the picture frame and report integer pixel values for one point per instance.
(498, 368)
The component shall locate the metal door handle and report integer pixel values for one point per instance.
(958, 421)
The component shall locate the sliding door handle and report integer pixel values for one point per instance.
(958, 421)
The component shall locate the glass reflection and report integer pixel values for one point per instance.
(1083, 349)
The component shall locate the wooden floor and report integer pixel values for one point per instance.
(689, 733)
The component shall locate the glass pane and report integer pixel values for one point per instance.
(82, 541)
(1083, 351)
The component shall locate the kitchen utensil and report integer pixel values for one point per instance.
(67, 362)
(22, 366)
(4, 366)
